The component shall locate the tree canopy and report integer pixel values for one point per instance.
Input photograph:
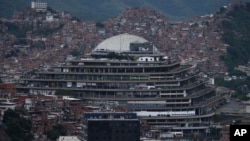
(57, 131)
(18, 128)
(236, 34)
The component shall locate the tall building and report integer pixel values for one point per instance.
(106, 126)
(166, 95)
(39, 6)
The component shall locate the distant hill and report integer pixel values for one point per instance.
(100, 10)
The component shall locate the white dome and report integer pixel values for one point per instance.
(119, 43)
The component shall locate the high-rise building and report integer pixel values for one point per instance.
(166, 95)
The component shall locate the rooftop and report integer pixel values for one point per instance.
(120, 43)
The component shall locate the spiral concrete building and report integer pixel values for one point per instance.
(127, 69)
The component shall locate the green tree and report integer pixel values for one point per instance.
(75, 53)
(99, 24)
(236, 34)
(57, 131)
(17, 31)
(47, 31)
(18, 128)
(9, 115)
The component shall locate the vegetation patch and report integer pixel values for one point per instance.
(236, 33)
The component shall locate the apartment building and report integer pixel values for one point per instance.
(39, 6)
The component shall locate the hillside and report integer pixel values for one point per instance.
(100, 10)
(236, 29)
(199, 41)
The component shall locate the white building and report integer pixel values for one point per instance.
(39, 6)
(49, 18)
(5, 104)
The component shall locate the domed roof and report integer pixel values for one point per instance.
(119, 43)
